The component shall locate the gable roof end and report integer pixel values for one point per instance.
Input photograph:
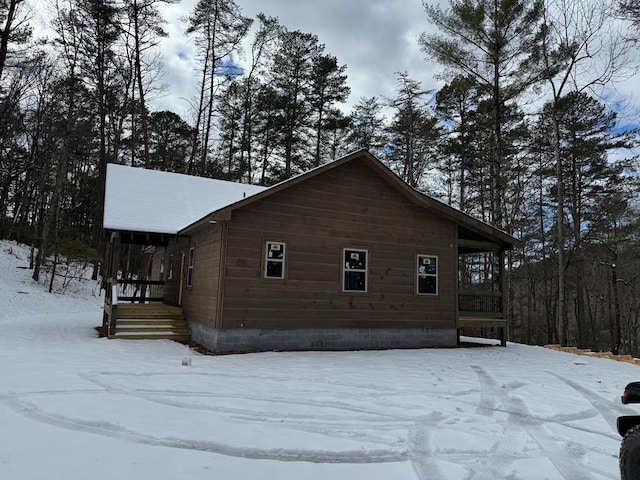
(413, 195)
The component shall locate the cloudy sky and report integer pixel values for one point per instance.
(374, 38)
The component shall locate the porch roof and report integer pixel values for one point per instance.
(140, 200)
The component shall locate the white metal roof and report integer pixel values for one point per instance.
(141, 200)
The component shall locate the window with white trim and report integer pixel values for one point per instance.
(190, 267)
(427, 271)
(274, 260)
(354, 270)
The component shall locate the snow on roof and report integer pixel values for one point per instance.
(141, 200)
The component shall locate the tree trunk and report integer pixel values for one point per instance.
(580, 307)
(617, 337)
(5, 33)
(560, 315)
(141, 96)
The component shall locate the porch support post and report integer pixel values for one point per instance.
(107, 286)
(113, 261)
(503, 297)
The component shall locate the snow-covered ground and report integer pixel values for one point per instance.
(75, 406)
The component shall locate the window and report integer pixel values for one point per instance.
(427, 275)
(162, 268)
(190, 268)
(354, 278)
(274, 260)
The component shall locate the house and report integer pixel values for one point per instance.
(345, 256)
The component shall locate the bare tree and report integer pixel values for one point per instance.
(581, 49)
(67, 25)
(145, 28)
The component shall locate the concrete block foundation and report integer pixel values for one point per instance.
(253, 339)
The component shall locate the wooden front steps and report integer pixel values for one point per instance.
(137, 321)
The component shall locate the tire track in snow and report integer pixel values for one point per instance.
(108, 429)
(512, 442)
(601, 404)
(521, 418)
(420, 449)
(332, 425)
(153, 396)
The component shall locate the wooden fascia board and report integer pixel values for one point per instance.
(479, 245)
(139, 237)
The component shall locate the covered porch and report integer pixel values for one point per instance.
(482, 283)
(135, 307)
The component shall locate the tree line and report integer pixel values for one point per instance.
(516, 136)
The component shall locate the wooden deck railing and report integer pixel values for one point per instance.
(140, 291)
(482, 309)
(484, 304)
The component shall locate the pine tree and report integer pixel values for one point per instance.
(328, 87)
(413, 134)
(494, 43)
(456, 105)
(590, 180)
(218, 27)
(169, 142)
(291, 79)
(260, 51)
(368, 126)
(578, 52)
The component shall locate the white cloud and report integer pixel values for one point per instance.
(374, 38)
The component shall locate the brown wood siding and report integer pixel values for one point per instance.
(157, 264)
(200, 300)
(349, 206)
(174, 249)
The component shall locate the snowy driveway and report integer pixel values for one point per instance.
(131, 409)
(73, 406)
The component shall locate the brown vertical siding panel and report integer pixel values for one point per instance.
(349, 206)
(175, 248)
(200, 301)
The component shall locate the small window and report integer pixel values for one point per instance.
(354, 277)
(161, 268)
(274, 260)
(427, 275)
(190, 268)
(170, 268)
